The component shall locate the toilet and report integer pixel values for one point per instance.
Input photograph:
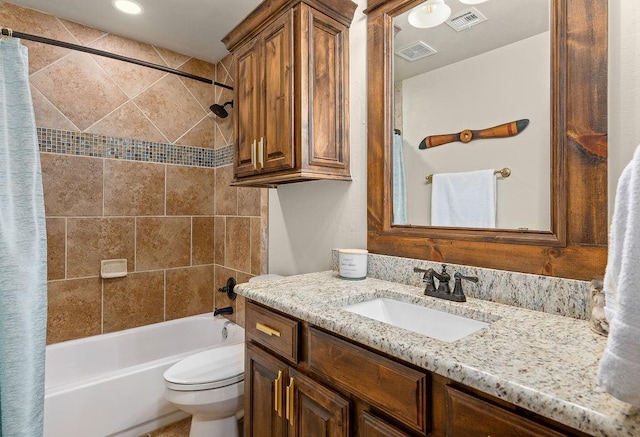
(209, 385)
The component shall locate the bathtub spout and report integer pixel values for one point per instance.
(223, 311)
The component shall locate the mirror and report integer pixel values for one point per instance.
(575, 243)
(486, 65)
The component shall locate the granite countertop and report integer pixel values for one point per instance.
(541, 362)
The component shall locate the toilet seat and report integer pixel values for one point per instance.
(213, 368)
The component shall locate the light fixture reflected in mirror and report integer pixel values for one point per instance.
(429, 14)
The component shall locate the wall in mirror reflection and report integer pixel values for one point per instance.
(496, 87)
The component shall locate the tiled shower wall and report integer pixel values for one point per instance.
(182, 228)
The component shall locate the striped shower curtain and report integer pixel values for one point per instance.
(23, 257)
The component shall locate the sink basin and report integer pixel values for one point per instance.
(432, 323)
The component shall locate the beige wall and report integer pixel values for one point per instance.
(182, 229)
(624, 88)
(506, 84)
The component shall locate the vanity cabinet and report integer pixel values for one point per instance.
(303, 381)
(291, 92)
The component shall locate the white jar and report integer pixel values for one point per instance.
(353, 263)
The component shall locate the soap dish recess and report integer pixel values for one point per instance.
(113, 268)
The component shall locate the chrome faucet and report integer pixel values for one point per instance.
(444, 290)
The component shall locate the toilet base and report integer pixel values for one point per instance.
(204, 427)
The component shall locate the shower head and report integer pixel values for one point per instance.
(219, 110)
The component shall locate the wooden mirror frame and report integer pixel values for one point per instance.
(576, 246)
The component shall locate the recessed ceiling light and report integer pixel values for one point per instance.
(128, 7)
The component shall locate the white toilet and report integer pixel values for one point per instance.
(210, 386)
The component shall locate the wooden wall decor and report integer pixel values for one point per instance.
(500, 131)
(576, 246)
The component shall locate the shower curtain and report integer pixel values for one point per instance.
(23, 257)
(399, 184)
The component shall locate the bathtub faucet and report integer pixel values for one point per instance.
(228, 288)
(223, 311)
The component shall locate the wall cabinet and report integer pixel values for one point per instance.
(303, 381)
(291, 92)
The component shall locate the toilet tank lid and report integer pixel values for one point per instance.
(216, 364)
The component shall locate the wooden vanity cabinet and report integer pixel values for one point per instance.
(303, 381)
(291, 117)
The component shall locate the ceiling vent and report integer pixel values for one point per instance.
(466, 19)
(416, 50)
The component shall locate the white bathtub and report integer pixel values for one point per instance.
(112, 384)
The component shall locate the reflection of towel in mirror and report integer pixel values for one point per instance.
(464, 199)
(619, 372)
(399, 187)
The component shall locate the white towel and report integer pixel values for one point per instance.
(619, 371)
(466, 200)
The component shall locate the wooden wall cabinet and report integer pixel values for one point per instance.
(305, 382)
(291, 92)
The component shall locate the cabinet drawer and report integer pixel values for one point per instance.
(393, 388)
(470, 416)
(276, 332)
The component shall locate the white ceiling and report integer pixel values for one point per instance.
(190, 27)
(508, 21)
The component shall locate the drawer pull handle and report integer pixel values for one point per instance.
(277, 395)
(289, 407)
(261, 152)
(265, 329)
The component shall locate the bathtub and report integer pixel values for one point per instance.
(112, 384)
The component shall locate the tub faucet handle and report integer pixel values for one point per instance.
(228, 288)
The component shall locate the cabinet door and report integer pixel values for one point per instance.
(315, 411)
(276, 142)
(372, 426)
(247, 108)
(265, 378)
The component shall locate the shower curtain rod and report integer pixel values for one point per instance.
(12, 34)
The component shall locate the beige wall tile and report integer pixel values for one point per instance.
(47, 115)
(190, 190)
(202, 240)
(72, 185)
(82, 33)
(221, 300)
(226, 195)
(219, 237)
(131, 78)
(238, 243)
(249, 201)
(91, 240)
(163, 242)
(133, 188)
(128, 121)
(256, 252)
(172, 59)
(74, 309)
(240, 310)
(136, 300)
(170, 106)
(189, 291)
(36, 23)
(204, 93)
(201, 135)
(79, 88)
(56, 237)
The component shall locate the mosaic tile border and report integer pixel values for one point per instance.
(101, 146)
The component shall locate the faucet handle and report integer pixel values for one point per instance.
(457, 288)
